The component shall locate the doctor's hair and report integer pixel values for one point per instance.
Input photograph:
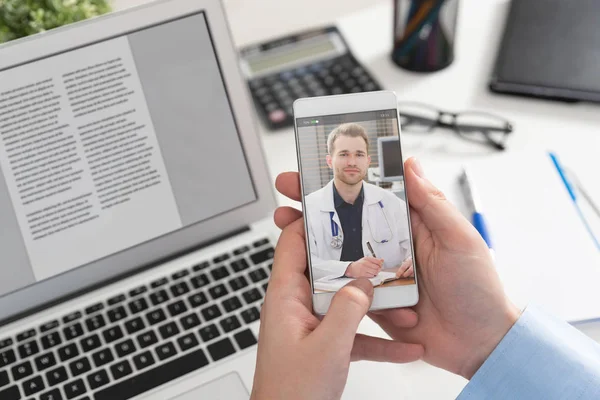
(351, 130)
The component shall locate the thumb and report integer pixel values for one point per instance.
(347, 309)
(437, 213)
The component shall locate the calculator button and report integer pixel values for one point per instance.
(255, 84)
(370, 86)
(357, 71)
(271, 107)
(277, 85)
(294, 82)
(320, 92)
(266, 99)
(277, 116)
(343, 76)
(349, 83)
(287, 75)
(337, 90)
(337, 69)
(364, 80)
(329, 80)
(261, 91)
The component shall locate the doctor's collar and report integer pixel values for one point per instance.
(338, 201)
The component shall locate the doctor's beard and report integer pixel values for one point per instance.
(350, 179)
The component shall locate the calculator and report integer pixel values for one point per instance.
(313, 63)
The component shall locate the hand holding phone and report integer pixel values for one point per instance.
(357, 219)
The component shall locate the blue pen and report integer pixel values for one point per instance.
(475, 205)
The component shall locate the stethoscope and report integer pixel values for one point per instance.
(336, 238)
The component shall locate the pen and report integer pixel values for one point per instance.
(473, 200)
(371, 250)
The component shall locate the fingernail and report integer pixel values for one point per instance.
(418, 168)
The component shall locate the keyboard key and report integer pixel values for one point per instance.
(245, 339)
(53, 394)
(187, 342)
(134, 325)
(158, 283)
(168, 330)
(67, 352)
(116, 314)
(56, 376)
(22, 370)
(260, 242)
(263, 255)
(138, 305)
(230, 323)
(180, 274)
(165, 351)
(48, 326)
(258, 275)
(90, 343)
(33, 386)
(240, 265)
(252, 295)
(116, 300)
(153, 378)
(231, 304)
(238, 283)
(97, 379)
(74, 388)
(217, 291)
(73, 331)
(143, 360)
(199, 281)
(50, 340)
(179, 289)
(45, 361)
(10, 393)
(177, 308)
(198, 299)
(156, 316)
(221, 349)
(102, 357)
(201, 266)
(264, 286)
(209, 332)
(137, 291)
(28, 349)
(189, 321)
(25, 335)
(211, 312)
(4, 379)
(221, 258)
(121, 369)
(112, 334)
(125, 347)
(95, 322)
(7, 357)
(159, 297)
(250, 315)
(5, 343)
(71, 317)
(93, 308)
(146, 339)
(79, 366)
(219, 273)
(241, 250)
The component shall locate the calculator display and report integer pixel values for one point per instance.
(292, 54)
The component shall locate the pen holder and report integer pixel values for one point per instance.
(424, 33)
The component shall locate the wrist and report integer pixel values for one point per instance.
(484, 349)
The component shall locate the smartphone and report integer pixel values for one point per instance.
(355, 205)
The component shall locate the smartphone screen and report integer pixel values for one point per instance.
(355, 207)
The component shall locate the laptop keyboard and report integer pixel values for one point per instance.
(149, 335)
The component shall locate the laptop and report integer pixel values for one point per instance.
(136, 243)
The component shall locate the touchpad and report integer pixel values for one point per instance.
(228, 387)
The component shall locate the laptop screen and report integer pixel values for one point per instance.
(112, 145)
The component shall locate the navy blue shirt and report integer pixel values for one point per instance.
(351, 219)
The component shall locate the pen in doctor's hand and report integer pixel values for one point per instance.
(371, 250)
(475, 205)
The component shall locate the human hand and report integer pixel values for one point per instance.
(300, 357)
(463, 311)
(406, 270)
(366, 267)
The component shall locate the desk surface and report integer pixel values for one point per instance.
(367, 25)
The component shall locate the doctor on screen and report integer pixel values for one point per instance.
(349, 214)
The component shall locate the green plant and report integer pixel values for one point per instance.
(20, 18)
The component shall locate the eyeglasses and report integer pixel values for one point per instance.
(474, 126)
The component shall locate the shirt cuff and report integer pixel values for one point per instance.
(541, 357)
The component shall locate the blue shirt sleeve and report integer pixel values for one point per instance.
(541, 357)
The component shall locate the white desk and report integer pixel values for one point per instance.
(573, 129)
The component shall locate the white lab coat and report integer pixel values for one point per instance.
(386, 228)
